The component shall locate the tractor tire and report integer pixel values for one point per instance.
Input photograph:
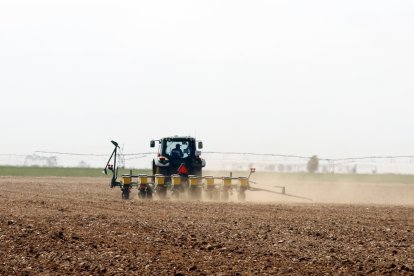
(198, 172)
(161, 170)
(154, 168)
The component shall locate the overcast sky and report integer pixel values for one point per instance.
(333, 78)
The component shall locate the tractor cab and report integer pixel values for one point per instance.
(175, 151)
(178, 149)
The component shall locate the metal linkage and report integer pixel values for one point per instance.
(214, 187)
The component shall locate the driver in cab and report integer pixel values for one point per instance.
(177, 152)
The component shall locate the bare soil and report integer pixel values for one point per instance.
(80, 226)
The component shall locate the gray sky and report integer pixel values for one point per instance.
(333, 78)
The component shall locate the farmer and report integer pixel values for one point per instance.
(177, 152)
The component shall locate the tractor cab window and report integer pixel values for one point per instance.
(177, 149)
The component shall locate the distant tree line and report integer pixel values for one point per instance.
(42, 161)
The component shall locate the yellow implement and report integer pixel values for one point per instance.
(227, 181)
(159, 179)
(126, 179)
(244, 182)
(193, 180)
(143, 178)
(176, 179)
(209, 181)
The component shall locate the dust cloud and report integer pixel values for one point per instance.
(343, 192)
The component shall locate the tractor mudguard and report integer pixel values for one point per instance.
(159, 164)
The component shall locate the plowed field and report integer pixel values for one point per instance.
(55, 225)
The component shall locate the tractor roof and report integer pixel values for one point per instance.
(179, 137)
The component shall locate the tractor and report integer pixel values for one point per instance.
(177, 173)
(179, 159)
(177, 168)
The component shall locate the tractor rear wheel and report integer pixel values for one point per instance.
(198, 172)
(160, 170)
